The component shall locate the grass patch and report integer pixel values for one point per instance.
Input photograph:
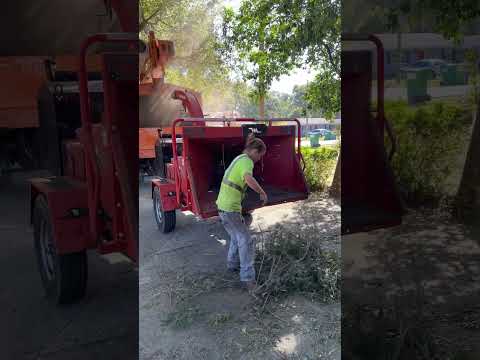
(220, 319)
(183, 316)
(182, 293)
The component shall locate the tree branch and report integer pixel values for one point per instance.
(330, 55)
(145, 21)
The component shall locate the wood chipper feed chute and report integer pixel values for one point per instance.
(369, 195)
(194, 170)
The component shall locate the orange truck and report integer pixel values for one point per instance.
(32, 109)
(39, 102)
(160, 103)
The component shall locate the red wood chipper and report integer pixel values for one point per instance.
(94, 204)
(197, 151)
(370, 198)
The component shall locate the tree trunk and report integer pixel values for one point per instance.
(468, 197)
(399, 54)
(261, 106)
(335, 189)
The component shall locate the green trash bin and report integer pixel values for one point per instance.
(453, 74)
(449, 75)
(330, 136)
(417, 81)
(314, 140)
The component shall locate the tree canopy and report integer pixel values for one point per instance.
(190, 24)
(264, 40)
(452, 19)
(268, 38)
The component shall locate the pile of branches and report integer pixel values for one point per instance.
(291, 260)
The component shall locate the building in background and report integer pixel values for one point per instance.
(418, 46)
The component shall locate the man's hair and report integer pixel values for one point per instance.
(254, 143)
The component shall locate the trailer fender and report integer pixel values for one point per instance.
(68, 205)
(167, 193)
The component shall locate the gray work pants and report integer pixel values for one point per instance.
(241, 253)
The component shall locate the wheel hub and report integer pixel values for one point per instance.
(158, 209)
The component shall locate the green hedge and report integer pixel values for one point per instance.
(319, 166)
(430, 138)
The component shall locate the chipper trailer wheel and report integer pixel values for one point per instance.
(64, 277)
(166, 220)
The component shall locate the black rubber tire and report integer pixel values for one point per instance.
(66, 281)
(166, 220)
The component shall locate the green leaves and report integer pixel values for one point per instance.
(263, 41)
(268, 38)
(430, 138)
(190, 24)
(324, 93)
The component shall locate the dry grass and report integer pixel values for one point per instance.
(292, 260)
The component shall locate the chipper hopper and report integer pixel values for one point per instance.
(370, 198)
(195, 153)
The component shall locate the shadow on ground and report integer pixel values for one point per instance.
(427, 269)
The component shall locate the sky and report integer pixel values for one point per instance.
(286, 82)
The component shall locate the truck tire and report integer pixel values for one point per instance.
(166, 220)
(64, 277)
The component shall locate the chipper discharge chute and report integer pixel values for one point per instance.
(159, 104)
(369, 194)
(196, 160)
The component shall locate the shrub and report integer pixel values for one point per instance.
(430, 138)
(319, 166)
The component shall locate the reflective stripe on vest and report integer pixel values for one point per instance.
(226, 181)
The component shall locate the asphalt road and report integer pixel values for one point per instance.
(103, 326)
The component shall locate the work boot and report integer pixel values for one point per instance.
(250, 286)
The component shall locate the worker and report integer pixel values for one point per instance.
(237, 178)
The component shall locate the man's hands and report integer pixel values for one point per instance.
(264, 197)
(252, 183)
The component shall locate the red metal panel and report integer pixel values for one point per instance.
(167, 194)
(111, 159)
(170, 171)
(74, 162)
(120, 144)
(71, 234)
(369, 195)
